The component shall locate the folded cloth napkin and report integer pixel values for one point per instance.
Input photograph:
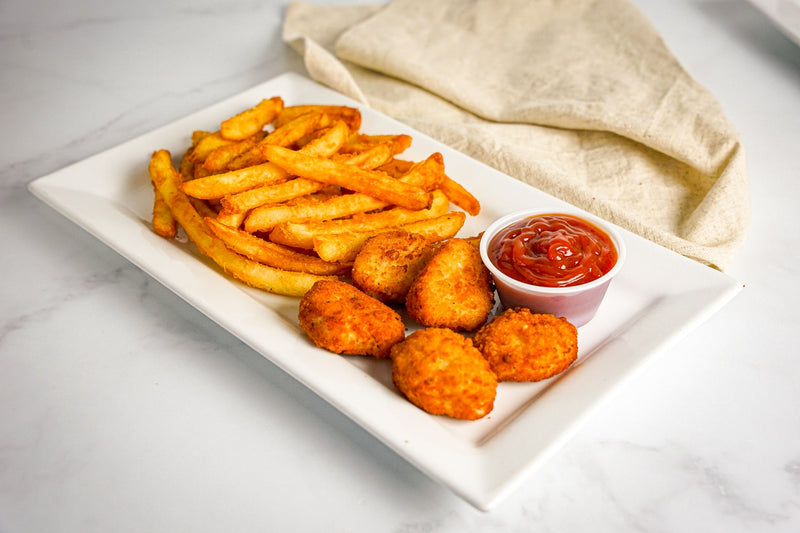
(579, 98)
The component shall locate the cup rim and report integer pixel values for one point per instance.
(506, 220)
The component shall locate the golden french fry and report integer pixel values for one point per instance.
(396, 167)
(376, 184)
(460, 196)
(207, 144)
(433, 171)
(349, 115)
(248, 196)
(273, 194)
(163, 222)
(301, 235)
(199, 135)
(272, 254)
(475, 240)
(360, 142)
(234, 181)
(186, 166)
(201, 172)
(345, 246)
(427, 174)
(251, 121)
(282, 136)
(168, 182)
(330, 191)
(369, 159)
(202, 207)
(219, 159)
(266, 213)
(231, 219)
(266, 217)
(329, 142)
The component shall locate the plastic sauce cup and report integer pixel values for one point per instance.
(577, 303)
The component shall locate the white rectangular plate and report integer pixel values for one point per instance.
(785, 14)
(110, 196)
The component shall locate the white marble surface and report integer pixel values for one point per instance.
(124, 409)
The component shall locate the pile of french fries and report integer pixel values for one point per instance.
(281, 196)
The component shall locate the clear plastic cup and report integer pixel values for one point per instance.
(577, 303)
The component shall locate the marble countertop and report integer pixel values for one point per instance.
(122, 408)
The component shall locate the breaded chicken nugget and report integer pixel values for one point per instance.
(342, 319)
(524, 346)
(389, 262)
(454, 289)
(441, 372)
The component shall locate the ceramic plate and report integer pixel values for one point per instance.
(482, 461)
(785, 14)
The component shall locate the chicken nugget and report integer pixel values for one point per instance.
(442, 373)
(454, 289)
(525, 346)
(388, 263)
(341, 318)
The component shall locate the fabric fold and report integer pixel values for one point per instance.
(581, 99)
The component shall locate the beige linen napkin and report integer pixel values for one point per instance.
(579, 98)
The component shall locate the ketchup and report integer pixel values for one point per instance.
(553, 251)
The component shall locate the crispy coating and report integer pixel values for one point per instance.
(342, 319)
(454, 289)
(388, 263)
(525, 346)
(441, 372)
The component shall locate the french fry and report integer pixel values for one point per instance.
(460, 196)
(284, 135)
(168, 181)
(259, 175)
(396, 167)
(219, 159)
(272, 254)
(201, 172)
(164, 223)
(231, 219)
(251, 121)
(202, 208)
(350, 115)
(475, 240)
(331, 191)
(268, 195)
(273, 194)
(207, 144)
(266, 217)
(427, 174)
(249, 196)
(301, 235)
(345, 246)
(376, 184)
(186, 166)
(329, 142)
(199, 135)
(296, 129)
(218, 185)
(359, 142)
(368, 159)
(451, 188)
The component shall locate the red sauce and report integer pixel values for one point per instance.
(553, 251)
